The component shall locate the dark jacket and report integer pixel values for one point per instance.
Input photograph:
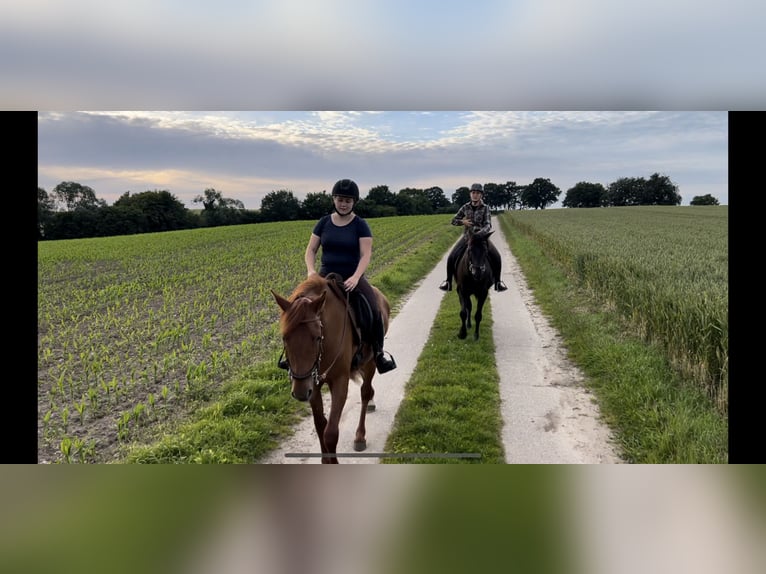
(480, 216)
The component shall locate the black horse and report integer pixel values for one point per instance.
(473, 276)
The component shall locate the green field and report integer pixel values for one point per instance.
(162, 347)
(664, 269)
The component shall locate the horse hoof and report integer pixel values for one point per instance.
(461, 335)
(370, 407)
(360, 445)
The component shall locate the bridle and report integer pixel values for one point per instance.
(313, 372)
(471, 265)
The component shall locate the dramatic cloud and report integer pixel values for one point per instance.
(246, 155)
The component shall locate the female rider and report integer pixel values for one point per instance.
(346, 242)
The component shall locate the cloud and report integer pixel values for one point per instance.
(246, 155)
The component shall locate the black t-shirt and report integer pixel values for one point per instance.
(340, 245)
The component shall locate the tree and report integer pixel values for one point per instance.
(280, 205)
(71, 196)
(213, 199)
(381, 195)
(219, 210)
(625, 191)
(411, 201)
(437, 198)
(160, 210)
(659, 190)
(585, 194)
(706, 199)
(508, 195)
(493, 195)
(539, 194)
(461, 196)
(315, 205)
(46, 206)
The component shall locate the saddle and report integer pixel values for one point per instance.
(359, 310)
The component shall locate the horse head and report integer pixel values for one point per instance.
(478, 254)
(302, 336)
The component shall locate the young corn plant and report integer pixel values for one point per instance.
(65, 418)
(47, 422)
(138, 413)
(66, 449)
(80, 407)
(122, 426)
(93, 397)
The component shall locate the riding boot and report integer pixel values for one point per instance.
(282, 363)
(447, 284)
(451, 259)
(495, 262)
(383, 363)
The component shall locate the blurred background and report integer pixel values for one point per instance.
(382, 519)
(376, 55)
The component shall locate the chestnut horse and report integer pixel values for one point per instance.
(322, 345)
(473, 276)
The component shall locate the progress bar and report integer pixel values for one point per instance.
(382, 455)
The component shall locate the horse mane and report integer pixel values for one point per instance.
(300, 297)
(312, 285)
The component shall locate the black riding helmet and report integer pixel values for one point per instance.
(346, 188)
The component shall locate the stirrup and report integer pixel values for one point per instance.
(446, 286)
(383, 363)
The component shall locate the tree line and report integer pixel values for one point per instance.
(72, 210)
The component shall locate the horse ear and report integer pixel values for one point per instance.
(281, 301)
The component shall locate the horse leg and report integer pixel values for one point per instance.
(338, 393)
(480, 299)
(360, 439)
(465, 315)
(320, 421)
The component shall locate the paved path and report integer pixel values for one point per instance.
(548, 416)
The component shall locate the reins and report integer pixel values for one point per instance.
(346, 319)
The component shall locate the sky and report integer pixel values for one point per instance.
(423, 63)
(246, 155)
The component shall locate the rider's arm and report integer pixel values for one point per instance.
(459, 216)
(311, 254)
(365, 254)
(486, 224)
